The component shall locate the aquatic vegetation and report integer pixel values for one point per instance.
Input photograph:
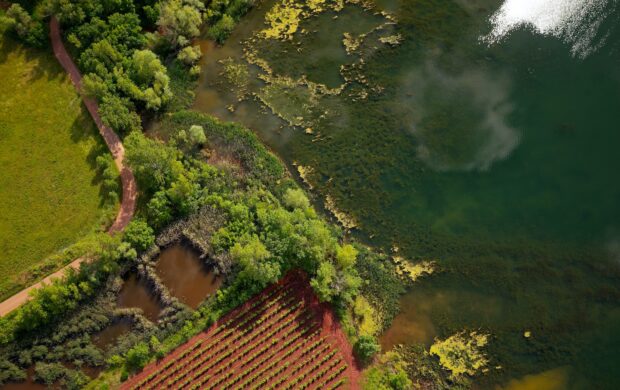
(297, 100)
(462, 353)
(304, 172)
(350, 43)
(283, 20)
(289, 100)
(345, 220)
(413, 272)
(237, 75)
(392, 40)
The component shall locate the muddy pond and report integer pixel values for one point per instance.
(185, 275)
(135, 293)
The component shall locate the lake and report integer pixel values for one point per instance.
(481, 134)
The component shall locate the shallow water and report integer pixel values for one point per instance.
(136, 294)
(110, 334)
(490, 148)
(185, 275)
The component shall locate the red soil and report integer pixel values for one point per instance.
(231, 352)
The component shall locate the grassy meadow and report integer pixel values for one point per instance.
(50, 193)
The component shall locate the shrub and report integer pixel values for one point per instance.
(49, 373)
(10, 372)
(366, 348)
(295, 198)
(221, 29)
(137, 356)
(196, 135)
(189, 55)
(139, 234)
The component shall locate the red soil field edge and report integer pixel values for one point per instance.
(285, 361)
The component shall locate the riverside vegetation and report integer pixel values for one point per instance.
(209, 183)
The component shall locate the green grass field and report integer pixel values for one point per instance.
(49, 189)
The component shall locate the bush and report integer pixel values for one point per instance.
(137, 357)
(49, 373)
(295, 198)
(9, 372)
(196, 135)
(189, 55)
(366, 348)
(140, 235)
(222, 29)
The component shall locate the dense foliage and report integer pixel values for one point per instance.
(266, 224)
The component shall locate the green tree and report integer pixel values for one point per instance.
(159, 210)
(345, 256)
(222, 29)
(179, 21)
(295, 198)
(253, 257)
(138, 356)
(118, 113)
(366, 348)
(139, 234)
(189, 55)
(322, 282)
(150, 76)
(154, 164)
(25, 27)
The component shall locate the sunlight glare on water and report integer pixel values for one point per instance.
(577, 22)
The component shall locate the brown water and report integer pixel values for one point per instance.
(135, 293)
(110, 334)
(185, 275)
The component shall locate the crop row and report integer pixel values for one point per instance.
(281, 290)
(276, 340)
(259, 367)
(164, 373)
(268, 340)
(326, 368)
(233, 346)
(206, 354)
(303, 369)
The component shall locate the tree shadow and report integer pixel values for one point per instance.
(43, 63)
(83, 129)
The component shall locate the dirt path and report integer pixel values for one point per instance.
(128, 203)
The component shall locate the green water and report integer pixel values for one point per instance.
(500, 162)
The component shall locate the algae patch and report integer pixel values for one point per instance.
(462, 353)
(237, 75)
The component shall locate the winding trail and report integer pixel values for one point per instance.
(130, 191)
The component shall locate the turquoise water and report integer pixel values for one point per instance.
(499, 161)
